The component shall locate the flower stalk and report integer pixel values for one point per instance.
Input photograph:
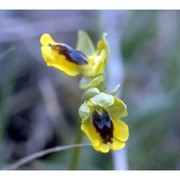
(76, 151)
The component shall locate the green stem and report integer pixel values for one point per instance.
(76, 152)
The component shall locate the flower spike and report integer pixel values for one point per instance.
(101, 111)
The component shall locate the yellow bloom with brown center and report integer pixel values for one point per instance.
(71, 61)
(62, 56)
(100, 122)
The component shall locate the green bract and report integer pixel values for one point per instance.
(84, 111)
(90, 93)
(115, 90)
(87, 83)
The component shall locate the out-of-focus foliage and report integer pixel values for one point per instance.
(151, 51)
(39, 105)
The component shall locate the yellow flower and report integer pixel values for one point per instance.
(97, 60)
(62, 56)
(71, 61)
(100, 122)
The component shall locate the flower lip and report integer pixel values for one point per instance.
(72, 55)
(103, 125)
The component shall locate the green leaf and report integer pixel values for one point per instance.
(84, 111)
(85, 44)
(87, 83)
(115, 90)
(102, 99)
(118, 109)
(90, 93)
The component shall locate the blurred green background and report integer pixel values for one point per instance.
(39, 105)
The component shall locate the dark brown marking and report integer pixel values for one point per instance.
(103, 125)
(72, 55)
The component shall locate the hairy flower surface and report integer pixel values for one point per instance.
(100, 122)
(71, 61)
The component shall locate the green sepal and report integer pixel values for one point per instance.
(87, 83)
(115, 90)
(102, 99)
(85, 44)
(118, 109)
(90, 93)
(84, 111)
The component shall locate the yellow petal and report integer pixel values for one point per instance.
(46, 39)
(104, 148)
(96, 64)
(54, 59)
(100, 62)
(121, 131)
(97, 60)
(94, 137)
(91, 132)
(117, 145)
